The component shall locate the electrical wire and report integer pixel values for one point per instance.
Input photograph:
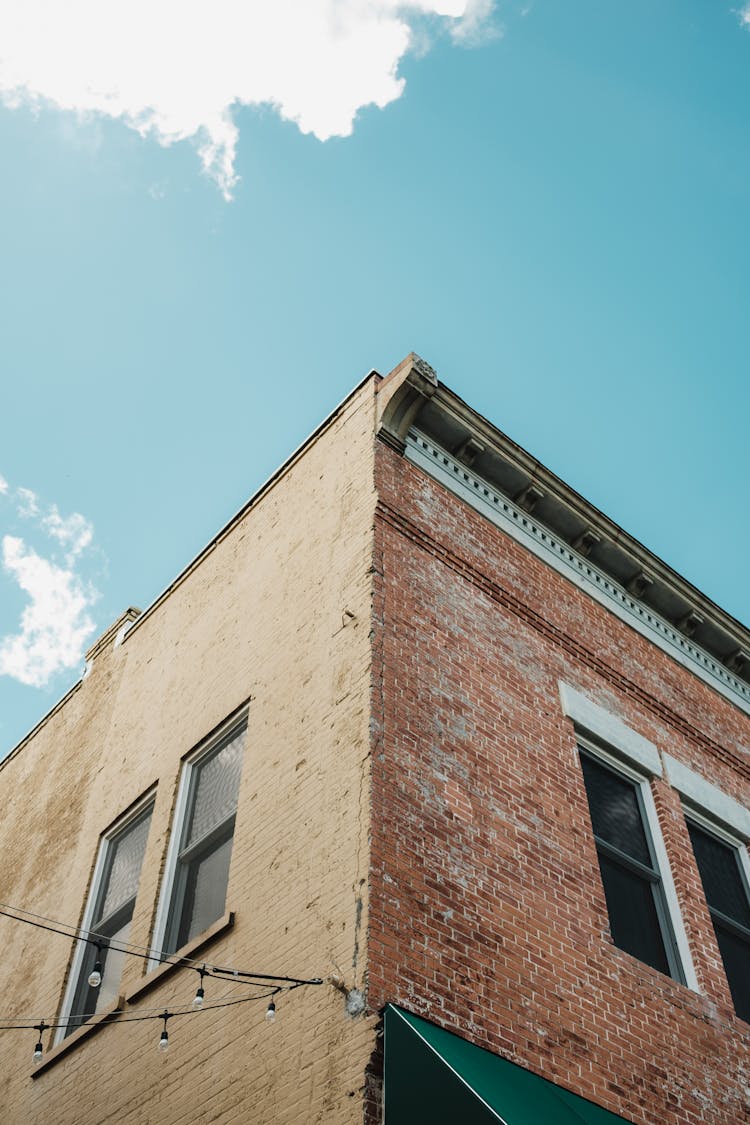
(93, 938)
(82, 934)
(146, 1014)
(78, 930)
(271, 984)
(80, 1016)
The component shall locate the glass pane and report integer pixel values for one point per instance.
(87, 1000)
(633, 918)
(84, 1001)
(719, 868)
(216, 788)
(735, 953)
(615, 814)
(205, 891)
(127, 852)
(113, 961)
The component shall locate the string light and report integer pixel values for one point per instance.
(159, 1014)
(95, 976)
(164, 1040)
(271, 984)
(118, 1015)
(39, 1049)
(200, 994)
(75, 1020)
(93, 938)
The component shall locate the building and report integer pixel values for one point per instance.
(422, 725)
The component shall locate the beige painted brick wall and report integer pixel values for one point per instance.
(260, 616)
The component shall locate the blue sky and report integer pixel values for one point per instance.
(546, 200)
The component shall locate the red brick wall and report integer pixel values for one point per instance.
(487, 913)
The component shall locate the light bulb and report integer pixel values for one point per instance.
(38, 1052)
(164, 1041)
(95, 976)
(198, 1002)
(271, 1012)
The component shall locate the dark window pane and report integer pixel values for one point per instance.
(115, 901)
(216, 789)
(719, 868)
(84, 1001)
(125, 866)
(87, 1001)
(114, 961)
(615, 814)
(205, 891)
(735, 953)
(633, 917)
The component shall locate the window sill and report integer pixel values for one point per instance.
(83, 1032)
(157, 975)
(110, 1014)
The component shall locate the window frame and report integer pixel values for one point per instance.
(711, 808)
(102, 868)
(654, 876)
(711, 827)
(168, 918)
(606, 736)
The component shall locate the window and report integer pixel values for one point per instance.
(108, 913)
(618, 764)
(639, 919)
(197, 874)
(725, 885)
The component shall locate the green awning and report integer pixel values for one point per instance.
(433, 1076)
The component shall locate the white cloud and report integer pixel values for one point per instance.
(73, 532)
(176, 69)
(744, 14)
(55, 624)
(476, 27)
(28, 503)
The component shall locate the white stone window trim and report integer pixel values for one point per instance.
(189, 762)
(620, 738)
(703, 797)
(100, 864)
(623, 750)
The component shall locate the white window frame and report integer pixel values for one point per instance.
(100, 866)
(189, 763)
(625, 751)
(713, 810)
(733, 840)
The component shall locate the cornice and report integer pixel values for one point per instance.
(516, 521)
(594, 524)
(589, 546)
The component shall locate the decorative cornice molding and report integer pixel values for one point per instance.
(416, 383)
(510, 517)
